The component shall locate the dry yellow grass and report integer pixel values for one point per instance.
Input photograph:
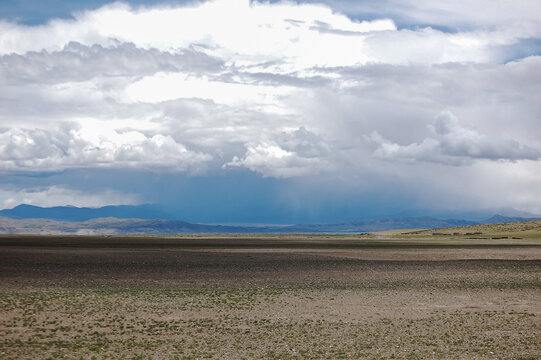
(397, 232)
(525, 229)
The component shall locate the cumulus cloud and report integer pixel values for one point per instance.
(296, 153)
(71, 146)
(293, 36)
(282, 89)
(218, 96)
(259, 32)
(79, 62)
(452, 144)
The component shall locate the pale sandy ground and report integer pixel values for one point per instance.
(286, 324)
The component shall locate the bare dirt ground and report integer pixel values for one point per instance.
(298, 297)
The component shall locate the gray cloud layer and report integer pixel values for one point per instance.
(452, 144)
(291, 90)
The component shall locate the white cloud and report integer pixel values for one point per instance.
(452, 144)
(272, 160)
(72, 147)
(170, 86)
(78, 62)
(296, 153)
(448, 13)
(297, 36)
(283, 89)
(259, 31)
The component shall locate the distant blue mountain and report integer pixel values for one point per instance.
(380, 224)
(496, 219)
(150, 219)
(117, 226)
(72, 213)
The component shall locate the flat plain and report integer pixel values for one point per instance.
(463, 293)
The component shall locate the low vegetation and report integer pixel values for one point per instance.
(285, 324)
(395, 295)
(519, 230)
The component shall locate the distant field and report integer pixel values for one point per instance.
(525, 230)
(394, 295)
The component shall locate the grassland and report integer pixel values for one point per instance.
(519, 230)
(398, 295)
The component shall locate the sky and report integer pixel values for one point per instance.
(234, 111)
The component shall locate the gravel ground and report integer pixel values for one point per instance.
(162, 300)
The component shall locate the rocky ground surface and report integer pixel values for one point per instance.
(369, 298)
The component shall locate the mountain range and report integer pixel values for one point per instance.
(72, 213)
(148, 219)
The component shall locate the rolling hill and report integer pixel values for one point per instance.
(118, 226)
